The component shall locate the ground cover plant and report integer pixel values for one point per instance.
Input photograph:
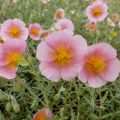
(59, 60)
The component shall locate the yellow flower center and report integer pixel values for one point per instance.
(13, 59)
(97, 11)
(59, 14)
(95, 64)
(34, 31)
(63, 56)
(1, 40)
(91, 26)
(40, 116)
(93, 1)
(14, 32)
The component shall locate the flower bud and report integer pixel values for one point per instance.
(9, 107)
(16, 107)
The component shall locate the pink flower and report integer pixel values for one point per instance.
(14, 30)
(97, 11)
(60, 13)
(34, 31)
(10, 55)
(43, 114)
(91, 26)
(45, 1)
(64, 24)
(59, 55)
(100, 65)
(15, 1)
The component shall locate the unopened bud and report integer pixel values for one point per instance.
(8, 107)
(16, 107)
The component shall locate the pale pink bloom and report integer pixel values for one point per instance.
(10, 56)
(64, 24)
(60, 13)
(43, 114)
(35, 31)
(97, 11)
(91, 26)
(15, 1)
(115, 17)
(45, 1)
(110, 22)
(14, 29)
(100, 65)
(60, 54)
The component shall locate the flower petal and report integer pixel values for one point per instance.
(112, 71)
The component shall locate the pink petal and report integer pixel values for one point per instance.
(112, 71)
(80, 43)
(24, 34)
(59, 37)
(83, 76)
(96, 81)
(44, 52)
(69, 73)
(2, 55)
(18, 46)
(8, 73)
(49, 72)
(18, 22)
(103, 49)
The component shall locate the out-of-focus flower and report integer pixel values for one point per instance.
(64, 24)
(100, 65)
(11, 53)
(44, 34)
(60, 54)
(35, 31)
(93, 1)
(13, 1)
(1, 40)
(60, 13)
(110, 22)
(14, 30)
(43, 114)
(115, 17)
(113, 34)
(97, 11)
(91, 26)
(119, 25)
(45, 1)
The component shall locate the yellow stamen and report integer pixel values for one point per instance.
(97, 11)
(93, 1)
(14, 32)
(62, 56)
(13, 59)
(59, 14)
(41, 117)
(91, 26)
(1, 40)
(95, 64)
(34, 31)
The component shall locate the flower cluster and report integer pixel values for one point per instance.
(13, 34)
(61, 53)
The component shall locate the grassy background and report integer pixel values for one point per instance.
(31, 91)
